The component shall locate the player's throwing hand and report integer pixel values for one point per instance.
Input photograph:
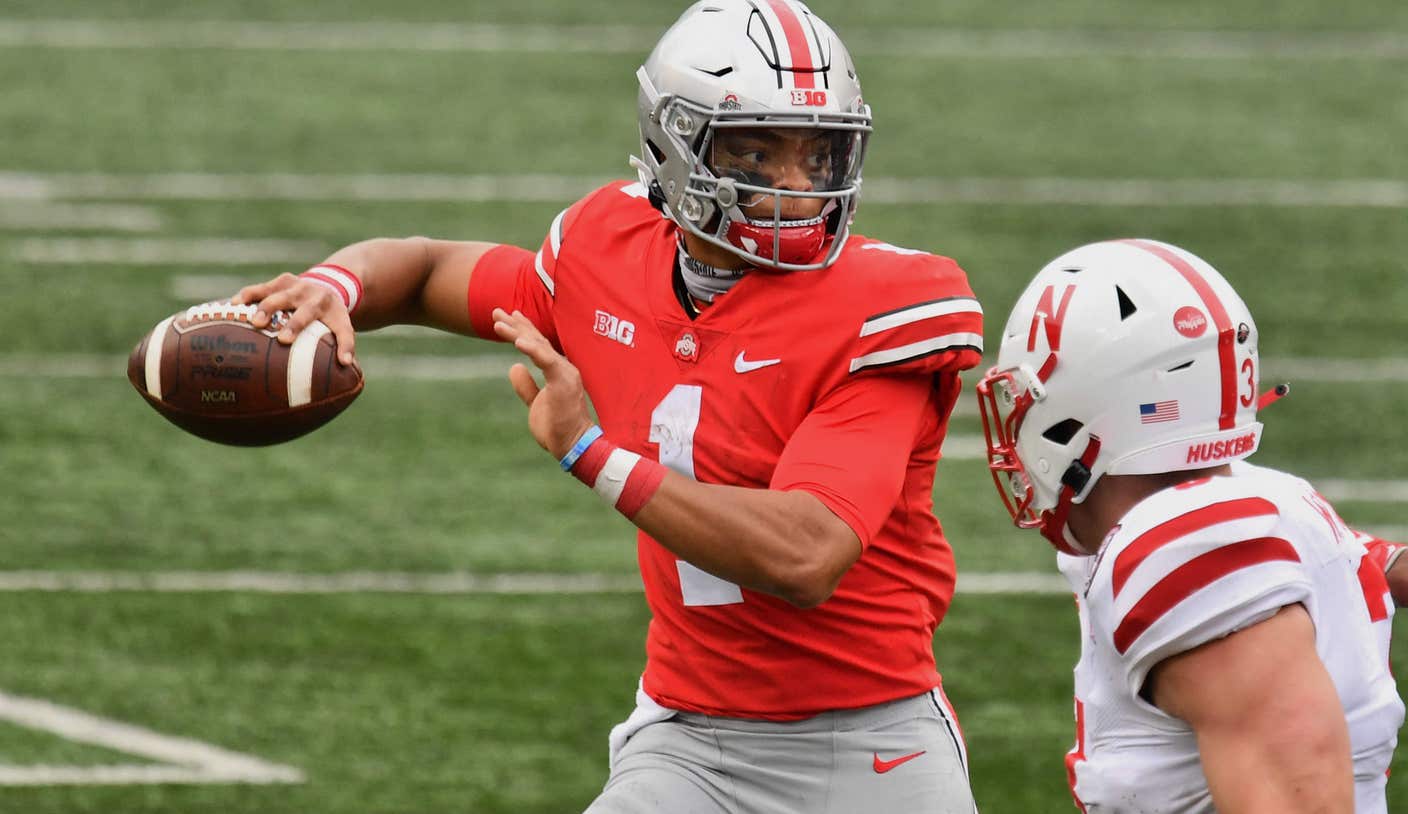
(557, 412)
(305, 299)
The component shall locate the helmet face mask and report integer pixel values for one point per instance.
(1126, 357)
(731, 70)
(1004, 397)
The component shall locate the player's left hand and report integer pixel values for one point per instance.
(557, 412)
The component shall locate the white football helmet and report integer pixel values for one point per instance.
(1124, 357)
(729, 65)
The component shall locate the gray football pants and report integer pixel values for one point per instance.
(904, 757)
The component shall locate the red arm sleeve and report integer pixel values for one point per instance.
(511, 278)
(853, 449)
(506, 277)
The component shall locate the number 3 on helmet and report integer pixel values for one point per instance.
(753, 65)
(1125, 357)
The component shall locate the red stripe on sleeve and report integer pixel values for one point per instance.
(1226, 336)
(796, 44)
(1182, 525)
(1193, 576)
(1375, 587)
(1380, 551)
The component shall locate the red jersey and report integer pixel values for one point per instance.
(838, 382)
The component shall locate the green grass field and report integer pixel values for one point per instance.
(1285, 131)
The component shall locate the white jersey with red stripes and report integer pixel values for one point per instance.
(1192, 564)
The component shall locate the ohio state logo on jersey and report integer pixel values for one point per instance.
(687, 347)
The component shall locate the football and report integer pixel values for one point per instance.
(213, 374)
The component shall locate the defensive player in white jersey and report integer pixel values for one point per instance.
(1234, 647)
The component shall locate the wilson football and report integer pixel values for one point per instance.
(213, 374)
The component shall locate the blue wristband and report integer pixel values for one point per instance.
(570, 459)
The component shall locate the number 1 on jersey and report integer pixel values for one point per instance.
(672, 426)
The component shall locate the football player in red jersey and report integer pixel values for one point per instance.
(1235, 632)
(771, 394)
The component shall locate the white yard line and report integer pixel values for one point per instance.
(477, 366)
(1363, 491)
(187, 760)
(536, 188)
(151, 251)
(544, 188)
(420, 368)
(456, 583)
(986, 44)
(56, 216)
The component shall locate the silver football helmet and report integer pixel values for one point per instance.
(726, 76)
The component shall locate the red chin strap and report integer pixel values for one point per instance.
(796, 245)
(1076, 478)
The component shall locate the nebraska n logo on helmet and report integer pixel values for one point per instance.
(729, 67)
(1126, 357)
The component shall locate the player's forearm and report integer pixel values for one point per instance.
(412, 280)
(787, 544)
(1296, 769)
(1272, 737)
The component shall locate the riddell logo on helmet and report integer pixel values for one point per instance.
(1190, 322)
(1217, 450)
(809, 98)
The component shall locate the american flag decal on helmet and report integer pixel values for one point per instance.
(1158, 412)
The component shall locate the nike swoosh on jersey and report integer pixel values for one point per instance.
(882, 766)
(741, 365)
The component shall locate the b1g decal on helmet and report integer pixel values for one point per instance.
(809, 98)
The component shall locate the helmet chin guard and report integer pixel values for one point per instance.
(784, 242)
(728, 67)
(1127, 357)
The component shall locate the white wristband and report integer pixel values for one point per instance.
(339, 280)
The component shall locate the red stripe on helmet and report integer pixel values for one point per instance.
(796, 43)
(1226, 336)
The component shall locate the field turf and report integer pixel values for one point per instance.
(495, 703)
